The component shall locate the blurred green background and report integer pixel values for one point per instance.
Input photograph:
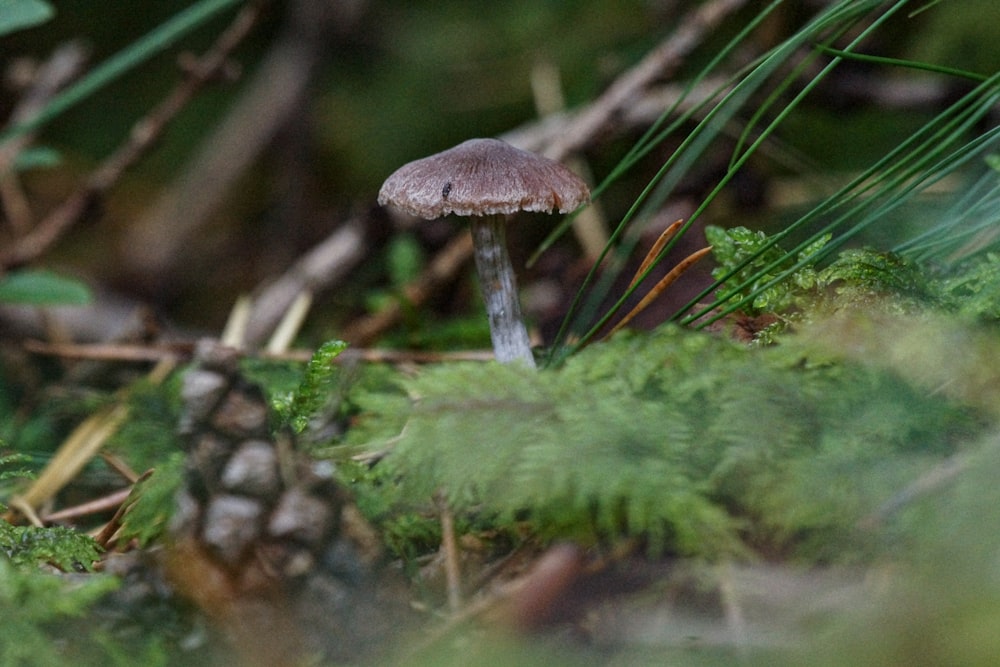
(395, 81)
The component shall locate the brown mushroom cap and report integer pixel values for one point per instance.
(483, 177)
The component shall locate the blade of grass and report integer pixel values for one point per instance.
(653, 136)
(981, 201)
(891, 182)
(909, 64)
(824, 24)
(858, 211)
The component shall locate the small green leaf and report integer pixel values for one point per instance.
(151, 502)
(301, 405)
(20, 14)
(42, 288)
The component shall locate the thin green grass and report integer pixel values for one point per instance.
(947, 145)
(897, 179)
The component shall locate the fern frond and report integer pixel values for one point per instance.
(688, 441)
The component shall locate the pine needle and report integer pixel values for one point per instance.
(655, 251)
(658, 289)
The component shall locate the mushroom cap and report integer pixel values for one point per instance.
(483, 177)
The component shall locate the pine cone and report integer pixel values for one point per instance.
(266, 541)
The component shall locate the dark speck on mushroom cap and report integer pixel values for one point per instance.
(483, 177)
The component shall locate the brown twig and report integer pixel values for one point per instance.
(119, 465)
(96, 506)
(647, 108)
(183, 351)
(273, 98)
(449, 552)
(111, 351)
(142, 137)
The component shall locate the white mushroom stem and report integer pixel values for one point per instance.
(496, 280)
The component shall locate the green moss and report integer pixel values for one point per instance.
(750, 260)
(314, 389)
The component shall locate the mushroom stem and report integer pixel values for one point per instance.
(496, 280)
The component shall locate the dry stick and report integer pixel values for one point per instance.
(142, 137)
(290, 324)
(103, 504)
(664, 283)
(18, 503)
(646, 109)
(627, 89)
(117, 464)
(234, 332)
(112, 351)
(649, 104)
(322, 266)
(181, 351)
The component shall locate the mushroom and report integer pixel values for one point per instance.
(488, 180)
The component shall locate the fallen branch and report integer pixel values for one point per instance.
(183, 351)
